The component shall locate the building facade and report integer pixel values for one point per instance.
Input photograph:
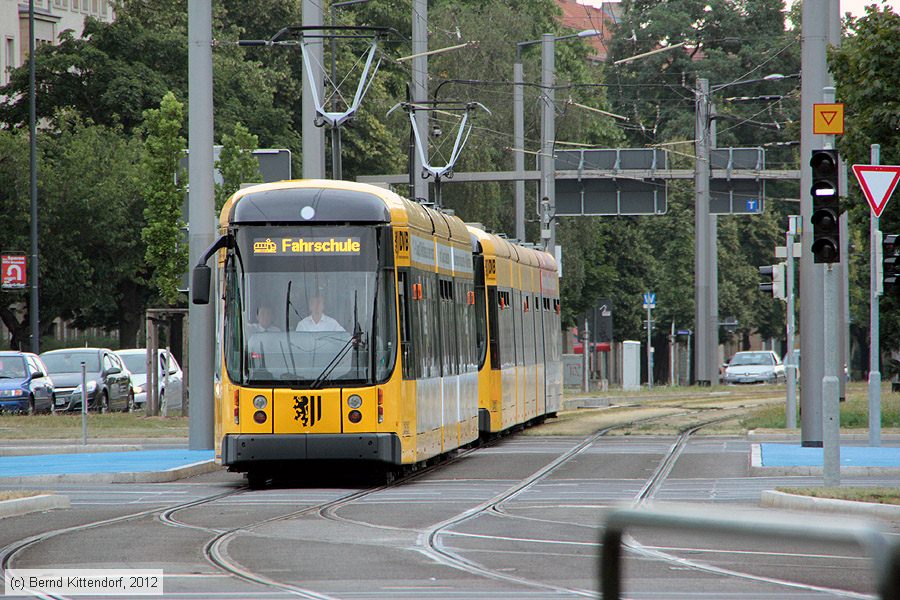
(51, 18)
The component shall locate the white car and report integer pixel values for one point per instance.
(761, 366)
(136, 362)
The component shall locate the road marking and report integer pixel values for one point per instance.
(756, 552)
(512, 539)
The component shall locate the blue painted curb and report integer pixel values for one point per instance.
(101, 462)
(789, 455)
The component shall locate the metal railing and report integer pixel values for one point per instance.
(885, 555)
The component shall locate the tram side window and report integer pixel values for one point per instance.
(449, 329)
(480, 320)
(462, 326)
(423, 328)
(494, 322)
(406, 350)
(435, 325)
(517, 326)
(386, 327)
(234, 342)
(508, 336)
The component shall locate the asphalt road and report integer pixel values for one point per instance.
(482, 526)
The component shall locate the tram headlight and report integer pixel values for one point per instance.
(354, 416)
(260, 402)
(260, 417)
(354, 401)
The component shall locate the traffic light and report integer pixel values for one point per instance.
(772, 280)
(826, 210)
(890, 246)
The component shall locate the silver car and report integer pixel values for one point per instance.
(136, 362)
(761, 366)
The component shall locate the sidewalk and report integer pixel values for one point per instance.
(774, 459)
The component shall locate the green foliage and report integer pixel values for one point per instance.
(728, 42)
(865, 70)
(236, 163)
(164, 194)
(91, 257)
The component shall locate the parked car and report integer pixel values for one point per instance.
(761, 366)
(136, 362)
(24, 384)
(796, 362)
(108, 381)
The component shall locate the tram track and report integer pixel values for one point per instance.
(430, 540)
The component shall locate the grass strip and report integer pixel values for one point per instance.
(16, 494)
(857, 494)
(111, 425)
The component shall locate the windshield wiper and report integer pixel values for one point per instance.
(355, 341)
(287, 315)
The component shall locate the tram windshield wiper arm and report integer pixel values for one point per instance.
(355, 340)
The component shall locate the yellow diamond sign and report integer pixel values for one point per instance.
(828, 119)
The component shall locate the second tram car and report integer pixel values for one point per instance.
(354, 324)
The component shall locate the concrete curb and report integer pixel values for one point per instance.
(817, 471)
(90, 448)
(576, 403)
(23, 506)
(774, 499)
(169, 475)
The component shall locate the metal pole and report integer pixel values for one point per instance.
(548, 130)
(313, 137)
(874, 331)
(585, 360)
(702, 334)
(519, 143)
(831, 386)
(791, 368)
(713, 347)
(843, 331)
(84, 402)
(649, 348)
(831, 389)
(688, 358)
(420, 88)
(201, 213)
(812, 311)
(713, 241)
(336, 166)
(164, 401)
(34, 306)
(672, 355)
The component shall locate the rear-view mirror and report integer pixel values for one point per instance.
(200, 284)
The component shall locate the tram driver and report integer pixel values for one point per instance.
(317, 319)
(263, 320)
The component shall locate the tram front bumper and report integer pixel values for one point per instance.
(245, 449)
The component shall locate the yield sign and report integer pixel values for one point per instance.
(878, 182)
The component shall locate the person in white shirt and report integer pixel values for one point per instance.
(317, 319)
(263, 321)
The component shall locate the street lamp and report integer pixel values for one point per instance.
(706, 268)
(548, 128)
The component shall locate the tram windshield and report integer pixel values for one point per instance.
(301, 307)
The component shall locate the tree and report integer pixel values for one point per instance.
(90, 217)
(236, 163)
(865, 70)
(726, 41)
(166, 254)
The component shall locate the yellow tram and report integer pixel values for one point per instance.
(356, 325)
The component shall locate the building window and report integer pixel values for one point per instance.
(10, 63)
(61, 3)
